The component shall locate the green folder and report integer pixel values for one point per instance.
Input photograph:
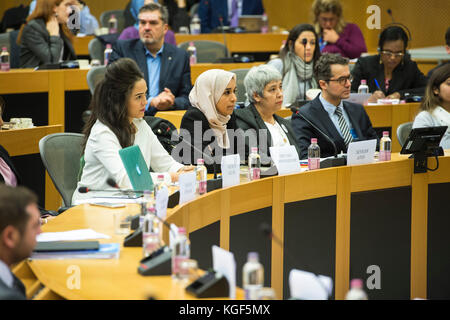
(136, 168)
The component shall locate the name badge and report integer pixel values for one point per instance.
(361, 152)
(230, 170)
(187, 186)
(285, 159)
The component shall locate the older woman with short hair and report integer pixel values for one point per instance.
(263, 86)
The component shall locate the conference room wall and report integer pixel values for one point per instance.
(427, 20)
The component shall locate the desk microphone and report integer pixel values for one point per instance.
(224, 36)
(389, 11)
(304, 42)
(268, 232)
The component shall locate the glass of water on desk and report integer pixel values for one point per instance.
(121, 223)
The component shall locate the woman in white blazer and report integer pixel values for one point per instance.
(436, 105)
(118, 107)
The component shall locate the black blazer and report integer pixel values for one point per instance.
(5, 156)
(249, 118)
(37, 47)
(316, 113)
(175, 69)
(17, 292)
(194, 115)
(406, 78)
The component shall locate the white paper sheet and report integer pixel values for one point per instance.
(187, 186)
(286, 159)
(306, 286)
(230, 170)
(224, 262)
(73, 235)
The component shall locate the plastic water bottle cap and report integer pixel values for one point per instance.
(356, 284)
(108, 46)
(113, 16)
(191, 44)
(200, 161)
(363, 81)
(181, 230)
(4, 49)
(160, 176)
(313, 140)
(254, 149)
(253, 256)
(385, 133)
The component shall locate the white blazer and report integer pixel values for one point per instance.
(102, 159)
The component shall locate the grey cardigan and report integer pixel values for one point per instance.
(38, 47)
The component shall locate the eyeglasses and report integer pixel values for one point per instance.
(392, 54)
(342, 80)
(325, 20)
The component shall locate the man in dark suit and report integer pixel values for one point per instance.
(327, 117)
(166, 68)
(19, 226)
(212, 11)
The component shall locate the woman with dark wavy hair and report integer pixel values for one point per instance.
(116, 122)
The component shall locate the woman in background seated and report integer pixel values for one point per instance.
(296, 63)
(391, 73)
(336, 35)
(118, 107)
(213, 99)
(264, 91)
(45, 38)
(132, 32)
(436, 106)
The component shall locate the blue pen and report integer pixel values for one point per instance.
(377, 84)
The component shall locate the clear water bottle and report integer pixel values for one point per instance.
(107, 54)
(254, 165)
(145, 205)
(202, 176)
(195, 25)
(192, 51)
(180, 253)
(356, 291)
(4, 60)
(112, 24)
(313, 155)
(160, 183)
(363, 87)
(252, 276)
(265, 23)
(385, 147)
(151, 240)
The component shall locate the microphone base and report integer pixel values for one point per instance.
(333, 162)
(211, 285)
(133, 239)
(159, 263)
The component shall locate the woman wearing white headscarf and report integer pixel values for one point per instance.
(213, 100)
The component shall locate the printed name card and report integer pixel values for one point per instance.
(361, 152)
(162, 199)
(187, 186)
(285, 159)
(224, 262)
(230, 170)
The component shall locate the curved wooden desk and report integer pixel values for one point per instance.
(337, 222)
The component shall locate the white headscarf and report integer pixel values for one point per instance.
(206, 93)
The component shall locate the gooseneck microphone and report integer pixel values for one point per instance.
(112, 183)
(224, 37)
(268, 232)
(389, 11)
(304, 42)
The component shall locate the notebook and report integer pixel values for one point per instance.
(136, 168)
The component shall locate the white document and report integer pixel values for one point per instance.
(307, 286)
(187, 186)
(162, 199)
(173, 233)
(285, 159)
(230, 170)
(359, 98)
(361, 152)
(73, 235)
(224, 262)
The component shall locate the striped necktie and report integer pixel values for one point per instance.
(343, 126)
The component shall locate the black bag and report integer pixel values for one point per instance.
(163, 129)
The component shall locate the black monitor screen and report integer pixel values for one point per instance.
(424, 140)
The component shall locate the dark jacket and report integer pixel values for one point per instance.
(37, 47)
(17, 292)
(406, 78)
(175, 71)
(192, 116)
(5, 156)
(316, 113)
(249, 118)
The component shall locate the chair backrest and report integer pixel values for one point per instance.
(4, 41)
(194, 10)
(240, 76)
(94, 76)
(61, 153)
(104, 18)
(96, 50)
(403, 131)
(207, 51)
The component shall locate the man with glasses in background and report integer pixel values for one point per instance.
(335, 123)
